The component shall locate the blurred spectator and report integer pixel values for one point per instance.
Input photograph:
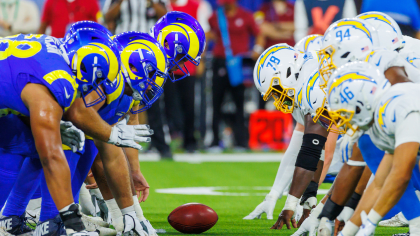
(179, 96)
(133, 15)
(241, 27)
(315, 16)
(406, 13)
(60, 14)
(140, 15)
(276, 19)
(19, 16)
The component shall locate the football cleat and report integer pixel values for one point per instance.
(16, 225)
(94, 220)
(397, 221)
(51, 227)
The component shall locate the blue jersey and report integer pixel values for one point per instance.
(33, 59)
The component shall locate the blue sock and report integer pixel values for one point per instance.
(26, 185)
(83, 167)
(48, 208)
(9, 170)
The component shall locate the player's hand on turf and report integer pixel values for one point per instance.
(123, 135)
(141, 186)
(285, 218)
(72, 136)
(267, 206)
(347, 143)
(339, 225)
(308, 205)
(308, 227)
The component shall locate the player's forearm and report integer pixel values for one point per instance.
(329, 154)
(100, 178)
(301, 179)
(116, 172)
(133, 160)
(345, 183)
(88, 120)
(366, 203)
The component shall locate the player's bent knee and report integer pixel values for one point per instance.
(310, 152)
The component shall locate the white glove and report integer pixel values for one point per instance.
(325, 227)
(123, 135)
(367, 228)
(132, 226)
(309, 226)
(72, 136)
(345, 214)
(310, 203)
(346, 146)
(267, 206)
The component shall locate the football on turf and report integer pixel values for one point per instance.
(192, 218)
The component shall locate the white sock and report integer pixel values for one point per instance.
(414, 225)
(137, 208)
(287, 165)
(96, 192)
(86, 202)
(374, 217)
(116, 215)
(65, 208)
(350, 229)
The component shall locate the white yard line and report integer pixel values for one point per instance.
(210, 157)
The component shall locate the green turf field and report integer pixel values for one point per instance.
(231, 209)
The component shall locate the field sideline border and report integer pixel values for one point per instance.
(211, 157)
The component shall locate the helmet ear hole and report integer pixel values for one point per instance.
(345, 55)
(358, 110)
(166, 44)
(83, 67)
(289, 72)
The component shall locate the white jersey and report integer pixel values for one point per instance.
(309, 97)
(384, 59)
(391, 127)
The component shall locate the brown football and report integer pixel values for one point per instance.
(192, 218)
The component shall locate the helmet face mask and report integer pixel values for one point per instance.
(324, 118)
(326, 65)
(284, 100)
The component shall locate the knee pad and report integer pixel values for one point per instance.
(310, 152)
(354, 200)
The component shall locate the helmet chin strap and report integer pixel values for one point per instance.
(136, 95)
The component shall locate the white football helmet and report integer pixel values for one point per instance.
(389, 33)
(345, 41)
(309, 43)
(276, 75)
(351, 94)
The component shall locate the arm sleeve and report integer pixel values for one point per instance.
(349, 9)
(204, 12)
(408, 130)
(28, 19)
(301, 21)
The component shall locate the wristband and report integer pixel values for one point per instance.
(291, 203)
(258, 49)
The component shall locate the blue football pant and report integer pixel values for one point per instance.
(409, 204)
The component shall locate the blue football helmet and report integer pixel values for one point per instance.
(86, 24)
(182, 38)
(144, 67)
(94, 59)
